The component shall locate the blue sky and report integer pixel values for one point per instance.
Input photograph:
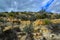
(28, 5)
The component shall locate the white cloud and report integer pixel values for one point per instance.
(53, 11)
(44, 3)
(57, 3)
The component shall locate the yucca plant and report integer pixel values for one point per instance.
(29, 31)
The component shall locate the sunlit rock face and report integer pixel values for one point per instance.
(28, 5)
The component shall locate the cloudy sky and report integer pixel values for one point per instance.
(28, 5)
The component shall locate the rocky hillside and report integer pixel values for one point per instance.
(23, 26)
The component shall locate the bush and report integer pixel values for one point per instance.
(11, 14)
(1, 20)
(38, 16)
(47, 21)
(28, 29)
(3, 15)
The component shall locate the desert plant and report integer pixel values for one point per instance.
(47, 21)
(29, 31)
(3, 15)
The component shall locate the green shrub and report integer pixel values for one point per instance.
(47, 21)
(3, 14)
(11, 14)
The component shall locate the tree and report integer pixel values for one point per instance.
(42, 11)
